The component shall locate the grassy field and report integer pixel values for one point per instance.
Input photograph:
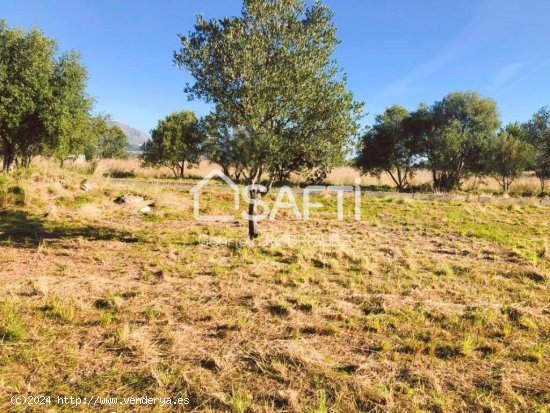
(422, 306)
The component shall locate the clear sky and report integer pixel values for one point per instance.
(394, 51)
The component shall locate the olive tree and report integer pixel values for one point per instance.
(538, 135)
(175, 141)
(104, 140)
(508, 156)
(270, 75)
(70, 109)
(454, 136)
(43, 102)
(113, 144)
(390, 146)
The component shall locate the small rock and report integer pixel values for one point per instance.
(86, 186)
(145, 210)
(128, 199)
(52, 211)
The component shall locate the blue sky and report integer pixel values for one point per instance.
(393, 51)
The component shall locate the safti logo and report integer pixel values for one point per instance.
(197, 189)
(285, 200)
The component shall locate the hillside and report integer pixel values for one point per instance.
(136, 137)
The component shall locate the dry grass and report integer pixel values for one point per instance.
(422, 306)
(130, 168)
(527, 185)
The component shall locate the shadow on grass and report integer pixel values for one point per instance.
(23, 230)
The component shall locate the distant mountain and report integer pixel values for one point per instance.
(135, 137)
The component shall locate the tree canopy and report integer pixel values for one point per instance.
(454, 136)
(43, 102)
(509, 155)
(271, 77)
(104, 140)
(225, 146)
(390, 146)
(113, 144)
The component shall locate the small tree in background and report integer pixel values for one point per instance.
(389, 146)
(455, 133)
(175, 141)
(97, 127)
(104, 141)
(509, 155)
(538, 135)
(113, 144)
(271, 77)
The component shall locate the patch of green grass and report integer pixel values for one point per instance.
(444, 269)
(281, 308)
(321, 406)
(468, 346)
(535, 353)
(106, 318)
(307, 304)
(11, 327)
(218, 271)
(4, 182)
(153, 313)
(239, 401)
(60, 310)
(74, 201)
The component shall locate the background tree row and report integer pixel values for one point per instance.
(456, 137)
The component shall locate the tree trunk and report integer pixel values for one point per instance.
(252, 224)
(400, 181)
(226, 172)
(25, 161)
(9, 157)
(435, 180)
(542, 184)
(175, 171)
(182, 170)
(441, 182)
(395, 181)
